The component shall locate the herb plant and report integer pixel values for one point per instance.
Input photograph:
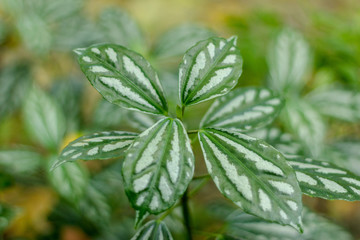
(158, 163)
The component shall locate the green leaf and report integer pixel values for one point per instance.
(288, 60)
(93, 205)
(123, 77)
(20, 161)
(105, 109)
(253, 175)
(153, 230)
(283, 142)
(15, 82)
(158, 166)
(101, 145)
(44, 119)
(7, 213)
(306, 124)
(337, 102)
(324, 179)
(119, 27)
(345, 154)
(246, 227)
(69, 180)
(209, 69)
(141, 121)
(243, 109)
(177, 40)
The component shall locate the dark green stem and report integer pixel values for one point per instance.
(186, 213)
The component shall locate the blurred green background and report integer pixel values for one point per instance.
(36, 42)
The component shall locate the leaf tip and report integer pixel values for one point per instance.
(79, 51)
(140, 217)
(233, 39)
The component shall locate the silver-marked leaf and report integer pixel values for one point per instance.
(177, 40)
(243, 109)
(15, 83)
(288, 60)
(246, 227)
(324, 179)
(123, 77)
(20, 161)
(209, 69)
(44, 119)
(153, 230)
(101, 145)
(306, 124)
(158, 166)
(283, 142)
(120, 28)
(69, 180)
(337, 102)
(141, 121)
(252, 174)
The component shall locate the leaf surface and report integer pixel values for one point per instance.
(123, 77)
(158, 166)
(209, 69)
(44, 119)
(325, 180)
(101, 145)
(243, 109)
(253, 175)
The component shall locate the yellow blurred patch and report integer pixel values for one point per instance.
(35, 204)
(69, 138)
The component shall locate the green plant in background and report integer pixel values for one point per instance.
(159, 162)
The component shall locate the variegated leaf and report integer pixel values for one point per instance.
(158, 166)
(243, 109)
(306, 124)
(153, 230)
(177, 40)
(253, 175)
(118, 27)
(283, 142)
(102, 145)
(337, 102)
(324, 179)
(69, 180)
(123, 77)
(288, 61)
(44, 119)
(246, 227)
(209, 69)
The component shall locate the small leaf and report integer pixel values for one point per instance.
(153, 230)
(337, 102)
(20, 161)
(177, 40)
(283, 142)
(123, 77)
(44, 119)
(243, 109)
(209, 69)
(306, 124)
(15, 83)
(105, 109)
(324, 179)
(120, 28)
(253, 175)
(141, 121)
(101, 145)
(288, 61)
(158, 166)
(69, 180)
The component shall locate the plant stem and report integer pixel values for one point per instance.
(192, 131)
(186, 213)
